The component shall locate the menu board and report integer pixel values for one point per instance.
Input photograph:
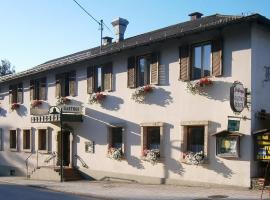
(262, 149)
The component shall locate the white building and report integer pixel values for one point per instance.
(176, 116)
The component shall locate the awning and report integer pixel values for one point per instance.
(226, 132)
(262, 131)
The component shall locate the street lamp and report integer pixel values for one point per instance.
(58, 110)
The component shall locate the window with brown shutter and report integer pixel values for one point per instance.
(38, 89)
(72, 83)
(143, 70)
(217, 57)
(99, 78)
(16, 93)
(184, 63)
(65, 84)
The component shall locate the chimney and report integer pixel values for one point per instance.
(106, 40)
(195, 15)
(119, 25)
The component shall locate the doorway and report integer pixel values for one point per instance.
(66, 148)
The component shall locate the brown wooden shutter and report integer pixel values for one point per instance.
(90, 80)
(10, 94)
(72, 83)
(217, 57)
(20, 93)
(184, 63)
(57, 86)
(42, 90)
(107, 74)
(31, 87)
(154, 68)
(131, 73)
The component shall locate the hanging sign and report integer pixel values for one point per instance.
(71, 109)
(237, 97)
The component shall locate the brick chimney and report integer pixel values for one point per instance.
(195, 15)
(119, 25)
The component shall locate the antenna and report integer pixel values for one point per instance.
(100, 23)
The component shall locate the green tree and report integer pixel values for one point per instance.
(6, 68)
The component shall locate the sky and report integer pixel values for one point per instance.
(36, 31)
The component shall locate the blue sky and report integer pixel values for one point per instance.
(35, 31)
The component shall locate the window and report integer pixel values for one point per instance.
(27, 139)
(143, 70)
(38, 89)
(197, 61)
(194, 138)
(201, 61)
(42, 140)
(116, 136)
(151, 138)
(99, 78)
(65, 84)
(16, 93)
(13, 140)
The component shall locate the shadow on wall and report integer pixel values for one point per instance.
(160, 97)
(22, 111)
(112, 103)
(3, 112)
(220, 91)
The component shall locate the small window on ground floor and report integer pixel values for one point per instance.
(42, 140)
(194, 142)
(13, 139)
(151, 140)
(116, 142)
(27, 139)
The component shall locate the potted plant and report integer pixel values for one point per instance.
(35, 103)
(151, 155)
(140, 93)
(115, 153)
(14, 106)
(97, 98)
(62, 100)
(194, 158)
(196, 87)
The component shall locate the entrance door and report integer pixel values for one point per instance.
(66, 148)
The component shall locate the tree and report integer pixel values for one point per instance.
(6, 68)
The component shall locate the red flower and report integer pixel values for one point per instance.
(100, 96)
(36, 103)
(15, 106)
(148, 88)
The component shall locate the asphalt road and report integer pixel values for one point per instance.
(17, 192)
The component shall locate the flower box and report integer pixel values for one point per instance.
(35, 103)
(14, 106)
(62, 100)
(152, 156)
(196, 87)
(97, 98)
(115, 153)
(140, 93)
(192, 158)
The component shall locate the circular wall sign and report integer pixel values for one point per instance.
(237, 97)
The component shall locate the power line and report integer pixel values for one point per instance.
(100, 23)
(87, 12)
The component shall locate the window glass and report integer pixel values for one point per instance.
(143, 71)
(195, 139)
(99, 79)
(26, 139)
(206, 60)
(13, 139)
(153, 137)
(227, 146)
(36, 90)
(201, 61)
(116, 137)
(42, 139)
(14, 94)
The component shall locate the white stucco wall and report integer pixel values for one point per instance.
(169, 103)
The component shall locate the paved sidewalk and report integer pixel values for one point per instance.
(134, 191)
